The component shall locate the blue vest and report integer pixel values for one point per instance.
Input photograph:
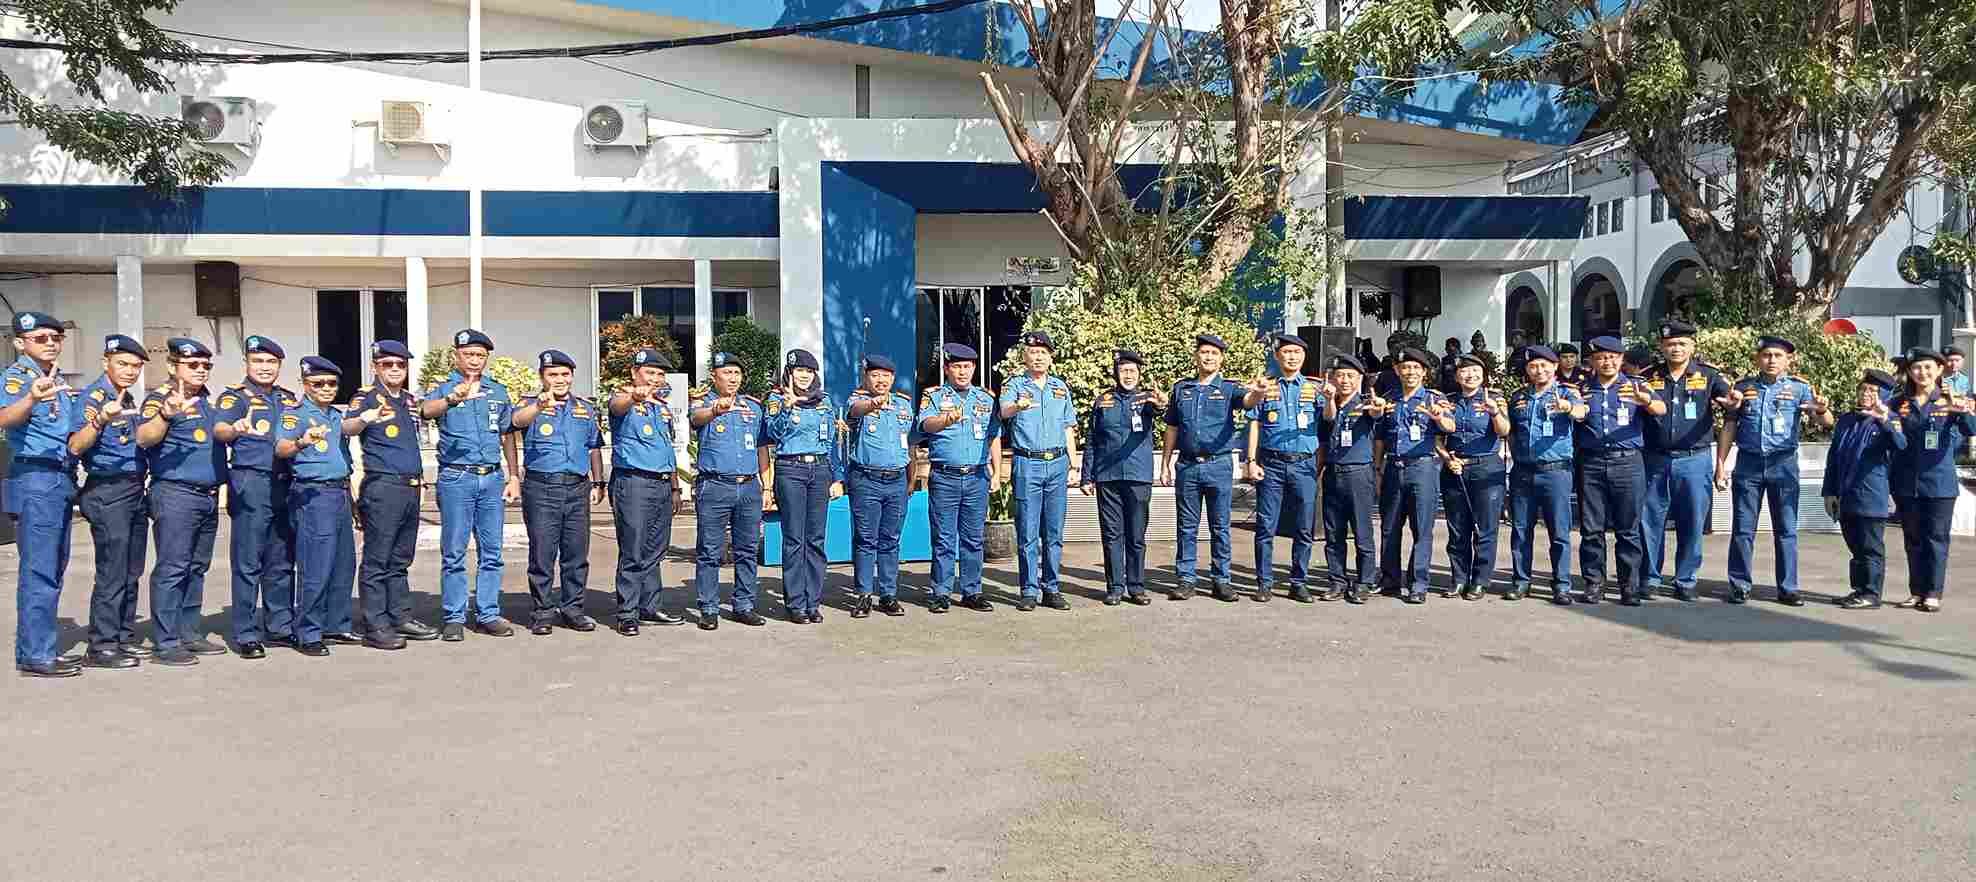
(1537, 432)
(800, 430)
(189, 452)
(325, 460)
(562, 436)
(1289, 421)
(1613, 422)
(964, 443)
(1856, 466)
(727, 442)
(264, 409)
(1768, 422)
(470, 434)
(390, 446)
(1205, 414)
(1410, 428)
(641, 438)
(881, 439)
(45, 435)
(116, 451)
(1119, 438)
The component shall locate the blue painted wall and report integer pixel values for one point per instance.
(1465, 217)
(868, 273)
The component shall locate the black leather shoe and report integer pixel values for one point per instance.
(285, 641)
(313, 650)
(1055, 600)
(937, 605)
(628, 629)
(1353, 596)
(134, 649)
(385, 640)
(861, 609)
(1181, 593)
(1450, 592)
(1327, 594)
(452, 632)
(1685, 595)
(977, 601)
(252, 649)
(342, 638)
(750, 618)
(1790, 599)
(1224, 592)
(1593, 596)
(1628, 598)
(202, 646)
(890, 606)
(1025, 604)
(816, 617)
(1472, 593)
(1561, 597)
(578, 622)
(1414, 597)
(660, 617)
(542, 628)
(176, 657)
(1514, 593)
(1114, 599)
(1301, 594)
(51, 669)
(1645, 594)
(415, 630)
(799, 616)
(1737, 597)
(1139, 599)
(1263, 593)
(710, 621)
(109, 659)
(495, 627)
(1860, 600)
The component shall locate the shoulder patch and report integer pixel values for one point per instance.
(96, 394)
(13, 385)
(774, 406)
(289, 421)
(227, 401)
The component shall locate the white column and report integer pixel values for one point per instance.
(418, 310)
(703, 313)
(476, 161)
(130, 296)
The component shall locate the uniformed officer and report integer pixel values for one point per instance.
(1409, 488)
(1936, 423)
(964, 442)
(1540, 415)
(188, 466)
(644, 490)
(262, 548)
(1200, 431)
(112, 500)
(1611, 473)
(728, 493)
(1569, 371)
(563, 456)
(1349, 422)
(39, 412)
(880, 424)
(1118, 467)
(1855, 490)
(1473, 479)
(314, 437)
(474, 413)
(1283, 439)
(1043, 436)
(388, 500)
(1680, 471)
(801, 428)
(1768, 408)
(1953, 378)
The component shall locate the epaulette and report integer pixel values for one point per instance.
(1309, 392)
(757, 401)
(238, 386)
(697, 392)
(903, 397)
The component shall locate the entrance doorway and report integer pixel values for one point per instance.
(988, 319)
(348, 321)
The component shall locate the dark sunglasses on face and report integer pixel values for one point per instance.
(45, 339)
(386, 363)
(322, 384)
(196, 365)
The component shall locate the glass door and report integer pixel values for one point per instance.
(949, 315)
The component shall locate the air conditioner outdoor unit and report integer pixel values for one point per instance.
(228, 122)
(615, 123)
(410, 122)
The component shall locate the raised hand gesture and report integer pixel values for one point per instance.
(1561, 403)
(315, 434)
(1729, 401)
(722, 405)
(46, 388)
(465, 392)
(1879, 411)
(375, 415)
(244, 426)
(185, 405)
(1639, 394)
(109, 412)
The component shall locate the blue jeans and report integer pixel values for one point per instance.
(1209, 483)
(326, 552)
(1039, 503)
(1535, 495)
(262, 554)
(1678, 486)
(1474, 503)
(1409, 491)
(469, 506)
(878, 513)
(41, 496)
(730, 513)
(802, 494)
(1288, 492)
(1757, 477)
(957, 512)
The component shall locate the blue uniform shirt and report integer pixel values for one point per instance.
(1040, 427)
(263, 407)
(116, 451)
(1856, 466)
(1926, 468)
(470, 434)
(964, 443)
(390, 446)
(1768, 422)
(1410, 428)
(1348, 438)
(1475, 434)
(1537, 432)
(727, 442)
(1118, 443)
(1957, 384)
(561, 438)
(325, 460)
(1204, 412)
(1289, 421)
(879, 440)
(1689, 423)
(798, 430)
(1612, 421)
(642, 437)
(189, 453)
(45, 435)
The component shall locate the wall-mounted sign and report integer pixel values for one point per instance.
(1917, 265)
(1020, 268)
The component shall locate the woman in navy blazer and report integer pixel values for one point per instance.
(1936, 424)
(1864, 443)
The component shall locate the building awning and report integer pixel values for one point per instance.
(1440, 229)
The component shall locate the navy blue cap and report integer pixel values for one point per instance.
(726, 359)
(1281, 340)
(876, 362)
(1124, 355)
(554, 358)
(258, 343)
(1605, 343)
(390, 349)
(800, 358)
(1410, 354)
(1954, 350)
(1532, 353)
(1347, 361)
(1566, 349)
(1211, 340)
(186, 347)
(649, 357)
(1769, 342)
(316, 366)
(1922, 353)
(471, 337)
(959, 352)
(116, 343)
(30, 321)
(1039, 338)
(1879, 378)
(1677, 328)
(1639, 356)
(1462, 361)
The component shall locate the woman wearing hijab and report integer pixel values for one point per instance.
(802, 427)
(1118, 467)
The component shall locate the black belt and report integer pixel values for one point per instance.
(1045, 455)
(558, 478)
(324, 482)
(1553, 466)
(726, 479)
(945, 469)
(1277, 456)
(1612, 454)
(1484, 460)
(475, 469)
(1194, 458)
(1405, 461)
(805, 458)
(393, 478)
(1684, 451)
(209, 490)
(642, 473)
(880, 474)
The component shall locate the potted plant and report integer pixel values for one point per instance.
(998, 543)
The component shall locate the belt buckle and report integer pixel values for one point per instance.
(1048, 455)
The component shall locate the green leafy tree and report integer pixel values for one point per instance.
(108, 42)
(760, 351)
(519, 376)
(620, 341)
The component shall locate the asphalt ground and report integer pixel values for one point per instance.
(1183, 740)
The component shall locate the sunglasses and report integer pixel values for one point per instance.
(45, 339)
(391, 363)
(196, 365)
(322, 384)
